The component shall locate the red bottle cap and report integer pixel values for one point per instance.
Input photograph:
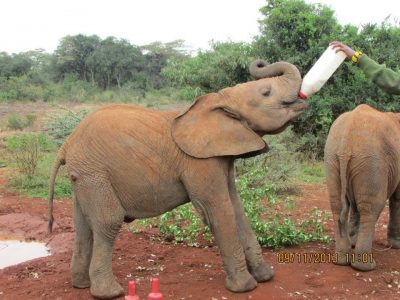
(302, 95)
(131, 295)
(155, 295)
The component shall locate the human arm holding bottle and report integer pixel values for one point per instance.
(385, 78)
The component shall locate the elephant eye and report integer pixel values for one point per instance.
(266, 92)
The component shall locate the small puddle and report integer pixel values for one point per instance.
(14, 252)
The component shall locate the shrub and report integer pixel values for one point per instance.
(61, 125)
(190, 93)
(270, 217)
(183, 225)
(25, 150)
(16, 122)
(38, 185)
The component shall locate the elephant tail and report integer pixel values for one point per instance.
(60, 160)
(345, 204)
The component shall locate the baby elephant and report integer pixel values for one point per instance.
(362, 160)
(126, 162)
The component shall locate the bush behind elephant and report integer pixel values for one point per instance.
(126, 162)
(362, 160)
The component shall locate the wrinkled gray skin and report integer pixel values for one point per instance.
(362, 159)
(127, 162)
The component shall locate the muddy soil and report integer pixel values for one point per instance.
(186, 272)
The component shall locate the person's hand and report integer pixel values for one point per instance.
(339, 46)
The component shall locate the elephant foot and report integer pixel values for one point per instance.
(353, 240)
(80, 281)
(342, 258)
(365, 267)
(262, 272)
(394, 243)
(106, 289)
(243, 282)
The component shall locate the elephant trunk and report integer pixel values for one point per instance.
(260, 69)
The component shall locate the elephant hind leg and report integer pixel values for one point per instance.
(105, 215)
(393, 234)
(342, 240)
(82, 250)
(354, 224)
(370, 207)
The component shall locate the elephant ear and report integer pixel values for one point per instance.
(209, 128)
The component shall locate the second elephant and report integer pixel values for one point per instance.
(362, 159)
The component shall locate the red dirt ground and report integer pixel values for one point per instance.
(184, 272)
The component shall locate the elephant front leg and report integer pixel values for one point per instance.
(258, 268)
(221, 219)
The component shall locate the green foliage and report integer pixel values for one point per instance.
(271, 217)
(25, 150)
(183, 225)
(33, 155)
(20, 88)
(16, 122)
(295, 31)
(14, 65)
(60, 126)
(278, 165)
(225, 65)
(38, 185)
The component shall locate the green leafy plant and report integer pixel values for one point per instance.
(25, 150)
(61, 125)
(270, 217)
(38, 185)
(16, 122)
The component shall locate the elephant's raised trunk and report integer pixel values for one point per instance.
(260, 69)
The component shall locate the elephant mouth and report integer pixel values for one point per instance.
(299, 105)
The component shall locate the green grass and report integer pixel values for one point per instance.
(37, 185)
(310, 172)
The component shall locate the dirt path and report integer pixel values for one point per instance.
(185, 272)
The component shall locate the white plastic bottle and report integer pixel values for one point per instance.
(322, 70)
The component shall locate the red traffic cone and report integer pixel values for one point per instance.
(132, 295)
(155, 295)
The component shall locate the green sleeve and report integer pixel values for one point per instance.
(382, 76)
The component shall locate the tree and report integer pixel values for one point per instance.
(226, 64)
(157, 55)
(115, 62)
(295, 31)
(72, 54)
(5, 65)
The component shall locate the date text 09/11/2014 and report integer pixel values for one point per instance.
(322, 257)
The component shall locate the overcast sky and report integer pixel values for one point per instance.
(32, 24)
